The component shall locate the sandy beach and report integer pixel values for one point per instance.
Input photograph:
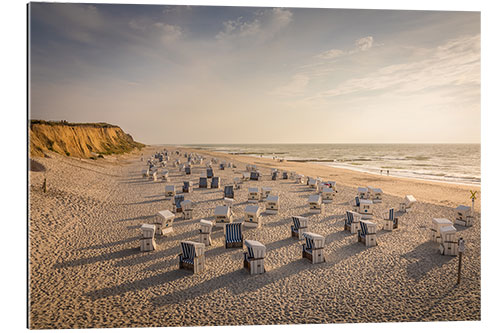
(86, 269)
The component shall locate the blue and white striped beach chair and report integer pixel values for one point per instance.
(203, 182)
(187, 169)
(192, 256)
(274, 175)
(210, 172)
(348, 220)
(177, 203)
(253, 260)
(367, 233)
(215, 183)
(254, 175)
(229, 191)
(391, 222)
(284, 174)
(186, 188)
(233, 235)
(313, 248)
(299, 226)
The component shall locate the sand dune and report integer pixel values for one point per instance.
(86, 269)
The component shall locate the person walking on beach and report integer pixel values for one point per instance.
(387, 172)
(380, 171)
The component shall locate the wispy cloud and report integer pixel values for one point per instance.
(295, 87)
(454, 63)
(265, 25)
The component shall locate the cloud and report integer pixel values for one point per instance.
(364, 43)
(455, 63)
(264, 26)
(296, 86)
(330, 54)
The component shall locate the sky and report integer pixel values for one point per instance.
(194, 74)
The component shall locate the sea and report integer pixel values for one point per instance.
(451, 163)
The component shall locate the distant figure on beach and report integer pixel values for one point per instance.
(380, 171)
(387, 172)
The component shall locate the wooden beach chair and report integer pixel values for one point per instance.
(437, 223)
(253, 194)
(316, 206)
(298, 227)
(169, 191)
(327, 194)
(223, 215)
(186, 188)
(176, 204)
(192, 257)
(264, 193)
(375, 194)
(253, 259)
(313, 248)
(229, 191)
(390, 221)
(367, 233)
(187, 170)
(210, 172)
(233, 235)
(147, 241)
(187, 209)
(252, 216)
(365, 208)
(272, 204)
(352, 222)
(215, 183)
(464, 216)
(449, 243)
(254, 175)
(203, 182)
(205, 232)
(407, 204)
(163, 222)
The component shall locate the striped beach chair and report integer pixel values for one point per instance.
(284, 174)
(254, 175)
(215, 183)
(253, 259)
(229, 191)
(177, 203)
(355, 204)
(192, 256)
(203, 182)
(233, 235)
(187, 169)
(210, 172)
(390, 221)
(367, 233)
(186, 188)
(313, 248)
(274, 175)
(298, 227)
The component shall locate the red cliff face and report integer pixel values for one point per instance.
(79, 140)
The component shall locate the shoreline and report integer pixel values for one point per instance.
(430, 191)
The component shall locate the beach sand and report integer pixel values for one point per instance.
(86, 269)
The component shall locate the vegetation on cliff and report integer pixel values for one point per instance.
(87, 140)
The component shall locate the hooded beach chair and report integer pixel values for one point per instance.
(186, 188)
(192, 256)
(363, 193)
(272, 204)
(254, 175)
(284, 174)
(229, 191)
(365, 208)
(351, 222)
(233, 235)
(253, 259)
(274, 174)
(298, 227)
(246, 176)
(210, 172)
(145, 173)
(355, 204)
(203, 182)
(252, 216)
(316, 206)
(464, 216)
(187, 209)
(163, 222)
(187, 169)
(375, 194)
(169, 191)
(264, 193)
(367, 234)
(313, 248)
(449, 243)
(165, 175)
(223, 215)
(327, 194)
(215, 183)
(407, 204)
(253, 194)
(147, 241)
(205, 232)
(390, 221)
(228, 202)
(176, 204)
(437, 223)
